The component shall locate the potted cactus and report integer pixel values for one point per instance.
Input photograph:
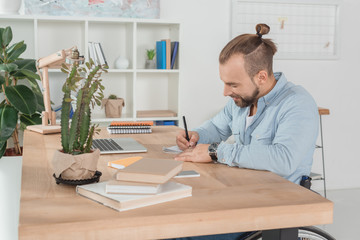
(77, 160)
(113, 106)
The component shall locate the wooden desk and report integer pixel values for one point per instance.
(224, 199)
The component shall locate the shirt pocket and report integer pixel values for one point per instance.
(262, 137)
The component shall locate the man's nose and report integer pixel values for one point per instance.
(227, 90)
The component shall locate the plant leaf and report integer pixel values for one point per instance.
(8, 67)
(1, 33)
(2, 81)
(29, 64)
(6, 36)
(3, 145)
(8, 121)
(22, 98)
(30, 120)
(27, 73)
(17, 51)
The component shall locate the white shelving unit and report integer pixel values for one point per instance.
(142, 89)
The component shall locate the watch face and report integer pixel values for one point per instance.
(212, 151)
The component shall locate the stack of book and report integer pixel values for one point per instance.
(166, 53)
(96, 53)
(119, 127)
(145, 182)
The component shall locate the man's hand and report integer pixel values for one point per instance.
(184, 144)
(196, 154)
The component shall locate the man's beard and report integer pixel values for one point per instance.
(246, 101)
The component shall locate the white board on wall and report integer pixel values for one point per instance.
(301, 29)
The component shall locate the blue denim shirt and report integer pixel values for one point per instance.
(280, 139)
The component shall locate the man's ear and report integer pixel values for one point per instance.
(262, 77)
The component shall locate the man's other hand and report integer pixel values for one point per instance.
(184, 144)
(197, 154)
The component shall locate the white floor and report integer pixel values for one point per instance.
(346, 224)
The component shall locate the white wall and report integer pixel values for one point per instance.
(334, 84)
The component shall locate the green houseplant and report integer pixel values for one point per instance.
(113, 106)
(150, 61)
(77, 135)
(20, 94)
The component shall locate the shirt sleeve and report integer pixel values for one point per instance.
(216, 129)
(295, 137)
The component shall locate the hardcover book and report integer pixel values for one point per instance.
(161, 55)
(174, 53)
(121, 202)
(168, 52)
(125, 187)
(150, 170)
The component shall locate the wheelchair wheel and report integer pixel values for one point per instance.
(305, 233)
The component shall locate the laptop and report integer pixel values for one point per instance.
(118, 145)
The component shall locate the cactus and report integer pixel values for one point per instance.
(86, 81)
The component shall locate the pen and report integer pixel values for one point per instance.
(186, 131)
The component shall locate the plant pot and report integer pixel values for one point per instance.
(150, 64)
(113, 107)
(10, 188)
(75, 167)
(10, 152)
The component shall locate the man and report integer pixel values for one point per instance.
(273, 121)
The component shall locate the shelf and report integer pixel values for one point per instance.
(157, 71)
(142, 89)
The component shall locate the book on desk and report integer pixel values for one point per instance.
(145, 182)
(132, 127)
(121, 202)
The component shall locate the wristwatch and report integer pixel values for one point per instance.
(212, 150)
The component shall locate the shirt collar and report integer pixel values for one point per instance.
(281, 82)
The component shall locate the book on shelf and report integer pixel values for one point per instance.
(92, 54)
(125, 187)
(168, 52)
(160, 54)
(174, 53)
(155, 113)
(124, 162)
(100, 54)
(150, 170)
(121, 202)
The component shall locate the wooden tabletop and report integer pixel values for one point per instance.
(225, 199)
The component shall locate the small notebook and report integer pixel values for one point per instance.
(122, 163)
(129, 130)
(119, 127)
(150, 170)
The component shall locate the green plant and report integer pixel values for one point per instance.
(19, 100)
(86, 81)
(112, 96)
(150, 53)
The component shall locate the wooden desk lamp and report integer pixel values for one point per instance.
(54, 60)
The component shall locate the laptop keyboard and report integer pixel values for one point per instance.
(106, 145)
